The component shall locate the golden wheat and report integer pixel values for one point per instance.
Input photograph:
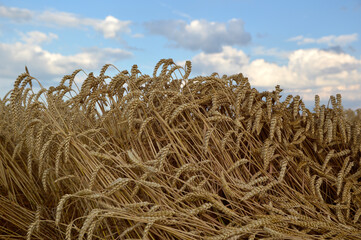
(172, 157)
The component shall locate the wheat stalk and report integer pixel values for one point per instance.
(341, 174)
(273, 126)
(317, 105)
(64, 198)
(327, 159)
(284, 163)
(145, 179)
(318, 189)
(244, 229)
(88, 221)
(329, 130)
(258, 190)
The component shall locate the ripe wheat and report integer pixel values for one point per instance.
(167, 156)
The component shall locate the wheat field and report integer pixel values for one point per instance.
(171, 157)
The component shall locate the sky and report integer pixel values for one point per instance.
(307, 47)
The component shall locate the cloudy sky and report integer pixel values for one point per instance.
(308, 47)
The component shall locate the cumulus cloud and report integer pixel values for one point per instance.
(330, 40)
(110, 27)
(15, 14)
(46, 65)
(323, 67)
(307, 72)
(227, 61)
(305, 66)
(209, 37)
(265, 74)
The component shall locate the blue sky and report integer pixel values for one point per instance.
(308, 47)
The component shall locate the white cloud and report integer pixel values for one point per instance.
(36, 37)
(330, 40)
(201, 34)
(323, 66)
(15, 14)
(228, 61)
(110, 27)
(308, 71)
(62, 19)
(46, 65)
(265, 74)
(297, 38)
